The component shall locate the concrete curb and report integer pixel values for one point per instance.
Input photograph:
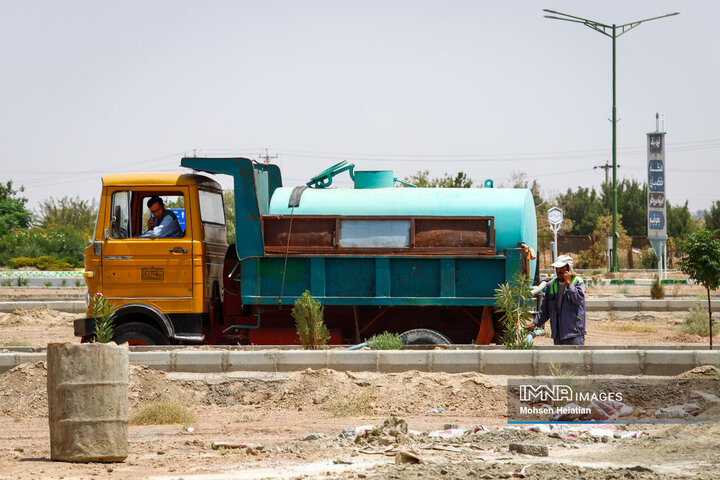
(641, 305)
(67, 306)
(646, 281)
(591, 305)
(41, 273)
(490, 362)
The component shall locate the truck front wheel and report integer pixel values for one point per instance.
(139, 334)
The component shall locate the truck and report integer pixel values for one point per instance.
(421, 262)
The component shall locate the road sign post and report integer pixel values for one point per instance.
(656, 200)
(555, 217)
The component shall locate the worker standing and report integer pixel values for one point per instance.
(564, 305)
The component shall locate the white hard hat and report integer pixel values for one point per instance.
(563, 260)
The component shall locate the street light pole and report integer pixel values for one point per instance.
(615, 267)
(613, 31)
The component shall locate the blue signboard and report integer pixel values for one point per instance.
(656, 166)
(656, 220)
(656, 182)
(180, 214)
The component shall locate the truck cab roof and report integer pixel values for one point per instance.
(160, 179)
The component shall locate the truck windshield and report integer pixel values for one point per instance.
(211, 207)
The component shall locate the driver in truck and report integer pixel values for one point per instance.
(162, 222)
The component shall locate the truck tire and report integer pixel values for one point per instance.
(424, 336)
(137, 333)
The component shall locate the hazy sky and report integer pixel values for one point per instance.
(486, 87)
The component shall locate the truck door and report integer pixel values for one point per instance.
(151, 271)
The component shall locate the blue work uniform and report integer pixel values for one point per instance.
(564, 306)
(167, 227)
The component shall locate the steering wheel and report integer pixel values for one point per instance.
(115, 223)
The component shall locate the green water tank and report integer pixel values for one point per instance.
(513, 208)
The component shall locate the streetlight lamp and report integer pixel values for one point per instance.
(613, 31)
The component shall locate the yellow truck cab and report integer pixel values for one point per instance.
(164, 287)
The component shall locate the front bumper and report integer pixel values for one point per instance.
(84, 327)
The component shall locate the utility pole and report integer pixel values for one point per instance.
(613, 31)
(607, 168)
(267, 157)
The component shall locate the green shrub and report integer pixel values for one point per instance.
(696, 321)
(385, 341)
(48, 284)
(657, 291)
(63, 283)
(6, 282)
(22, 281)
(104, 312)
(514, 301)
(78, 282)
(308, 315)
(648, 259)
(45, 262)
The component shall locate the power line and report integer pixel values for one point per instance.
(267, 157)
(607, 167)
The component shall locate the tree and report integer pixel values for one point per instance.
(631, 204)
(422, 179)
(595, 256)
(583, 208)
(229, 204)
(712, 218)
(679, 221)
(520, 180)
(701, 262)
(68, 211)
(13, 213)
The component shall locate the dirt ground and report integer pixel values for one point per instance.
(36, 327)
(269, 413)
(266, 415)
(635, 328)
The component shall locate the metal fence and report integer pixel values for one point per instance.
(574, 244)
(567, 244)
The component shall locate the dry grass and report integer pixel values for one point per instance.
(162, 413)
(13, 342)
(635, 328)
(353, 405)
(697, 321)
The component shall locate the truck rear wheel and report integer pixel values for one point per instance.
(137, 333)
(424, 336)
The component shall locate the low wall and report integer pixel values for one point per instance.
(492, 362)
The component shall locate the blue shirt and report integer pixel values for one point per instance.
(169, 227)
